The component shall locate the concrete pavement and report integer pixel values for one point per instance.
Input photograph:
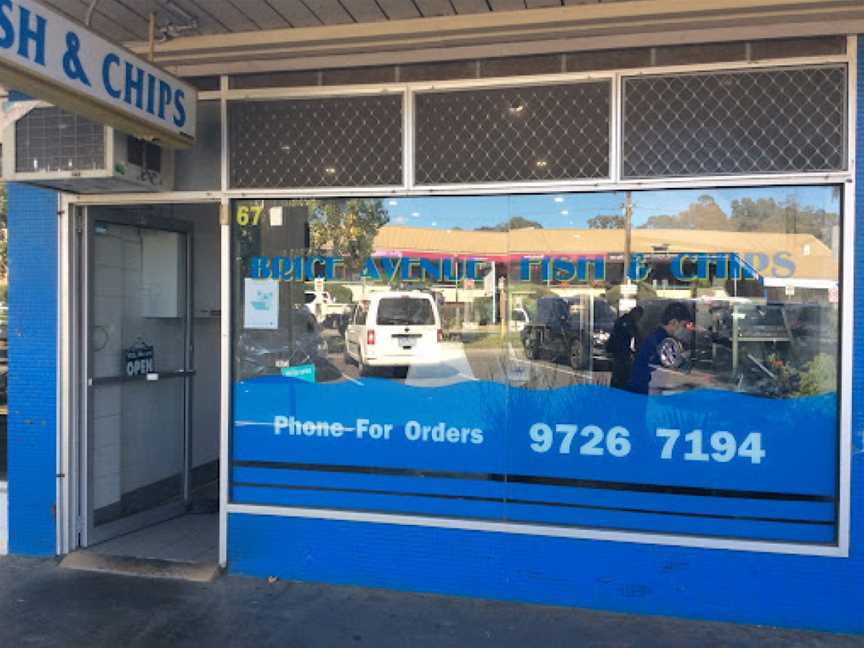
(43, 605)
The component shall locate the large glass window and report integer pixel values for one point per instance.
(660, 361)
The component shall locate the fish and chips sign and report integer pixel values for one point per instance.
(57, 60)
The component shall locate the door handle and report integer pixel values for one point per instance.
(151, 377)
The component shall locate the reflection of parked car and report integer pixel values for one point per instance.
(814, 328)
(394, 329)
(561, 330)
(263, 352)
(328, 312)
(519, 319)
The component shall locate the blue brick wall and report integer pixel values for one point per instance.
(32, 369)
(774, 589)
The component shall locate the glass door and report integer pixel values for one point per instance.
(138, 351)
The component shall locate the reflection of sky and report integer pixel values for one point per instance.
(574, 210)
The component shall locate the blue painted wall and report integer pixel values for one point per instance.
(32, 369)
(783, 590)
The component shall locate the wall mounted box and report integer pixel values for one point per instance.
(57, 149)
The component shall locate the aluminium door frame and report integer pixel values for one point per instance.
(72, 410)
(89, 533)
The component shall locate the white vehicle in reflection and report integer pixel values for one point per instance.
(519, 319)
(395, 329)
(328, 312)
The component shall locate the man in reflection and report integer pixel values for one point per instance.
(675, 317)
(621, 345)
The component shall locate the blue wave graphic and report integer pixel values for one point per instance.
(798, 436)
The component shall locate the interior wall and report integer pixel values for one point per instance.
(137, 432)
(206, 281)
(137, 426)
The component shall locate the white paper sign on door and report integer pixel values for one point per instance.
(261, 304)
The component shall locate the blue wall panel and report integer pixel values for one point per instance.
(32, 369)
(698, 583)
(775, 589)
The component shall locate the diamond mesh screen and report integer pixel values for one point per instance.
(344, 142)
(512, 134)
(51, 139)
(735, 122)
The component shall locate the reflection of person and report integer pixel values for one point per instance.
(675, 316)
(620, 345)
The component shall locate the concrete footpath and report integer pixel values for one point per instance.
(43, 605)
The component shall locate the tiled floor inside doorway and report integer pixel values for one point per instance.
(193, 537)
(188, 538)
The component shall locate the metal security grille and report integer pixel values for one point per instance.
(558, 132)
(344, 142)
(755, 121)
(51, 139)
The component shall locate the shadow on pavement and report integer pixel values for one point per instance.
(43, 605)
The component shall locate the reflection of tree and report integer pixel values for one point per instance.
(768, 215)
(606, 221)
(704, 214)
(517, 222)
(749, 215)
(346, 228)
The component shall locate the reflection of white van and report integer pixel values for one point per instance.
(394, 329)
(519, 318)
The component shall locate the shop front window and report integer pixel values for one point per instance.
(655, 361)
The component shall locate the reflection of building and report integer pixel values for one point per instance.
(777, 260)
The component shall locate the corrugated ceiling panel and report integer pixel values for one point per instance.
(227, 15)
(295, 12)
(399, 9)
(431, 8)
(261, 13)
(208, 24)
(364, 10)
(102, 24)
(127, 20)
(507, 5)
(471, 6)
(329, 12)
(126, 15)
